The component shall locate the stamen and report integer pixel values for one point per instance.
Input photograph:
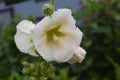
(55, 32)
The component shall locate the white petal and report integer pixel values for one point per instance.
(44, 50)
(25, 26)
(63, 52)
(23, 38)
(58, 53)
(63, 16)
(74, 35)
(78, 56)
(69, 45)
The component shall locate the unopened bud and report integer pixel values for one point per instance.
(25, 63)
(48, 9)
(78, 56)
(26, 70)
(28, 67)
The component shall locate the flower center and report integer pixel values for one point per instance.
(54, 34)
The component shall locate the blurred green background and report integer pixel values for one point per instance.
(99, 20)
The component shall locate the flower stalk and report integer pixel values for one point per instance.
(41, 71)
(52, 2)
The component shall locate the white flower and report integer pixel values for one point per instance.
(78, 56)
(56, 37)
(23, 37)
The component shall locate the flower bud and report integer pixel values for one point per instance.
(25, 64)
(50, 70)
(78, 56)
(28, 68)
(48, 9)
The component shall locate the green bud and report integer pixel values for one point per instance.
(28, 67)
(48, 9)
(26, 70)
(25, 64)
(42, 65)
(32, 67)
(50, 72)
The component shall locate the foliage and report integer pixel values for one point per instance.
(10, 57)
(100, 23)
(63, 75)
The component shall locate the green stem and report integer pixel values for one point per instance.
(52, 2)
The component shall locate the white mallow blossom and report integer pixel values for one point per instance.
(78, 56)
(56, 37)
(23, 37)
